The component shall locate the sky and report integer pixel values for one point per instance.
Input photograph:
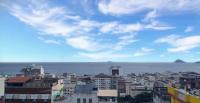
(99, 30)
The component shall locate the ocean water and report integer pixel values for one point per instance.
(102, 67)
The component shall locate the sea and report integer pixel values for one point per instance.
(102, 67)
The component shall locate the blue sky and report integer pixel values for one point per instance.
(99, 30)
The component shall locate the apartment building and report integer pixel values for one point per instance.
(103, 81)
(31, 90)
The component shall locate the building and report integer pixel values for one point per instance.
(2, 88)
(33, 70)
(181, 96)
(137, 89)
(69, 88)
(160, 94)
(86, 93)
(31, 90)
(115, 71)
(190, 80)
(107, 96)
(121, 87)
(102, 81)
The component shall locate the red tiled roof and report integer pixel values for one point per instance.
(18, 79)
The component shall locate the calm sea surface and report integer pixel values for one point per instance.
(102, 67)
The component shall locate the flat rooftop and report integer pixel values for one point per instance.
(107, 93)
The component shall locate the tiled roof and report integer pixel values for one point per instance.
(18, 80)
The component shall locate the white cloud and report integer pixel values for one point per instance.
(152, 23)
(50, 41)
(108, 27)
(180, 44)
(85, 43)
(124, 41)
(143, 51)
(47, 20)
(151, 15)
(162, 55)
(117, 28)
(106, 55)
(189, 29)
(121, 7)
(156, 25)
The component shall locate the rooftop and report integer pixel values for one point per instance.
(101, 75)
(18, 80)
(31, 82)
(107, 93)
(84, 89)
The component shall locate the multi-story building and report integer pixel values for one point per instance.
(30, 90)
(2, 88)
(121, 87)
(88, 93)
(102, 81)
(160, 94)
(115, 70)
(138, 89)
(85, 93)
(190, 80)
(69, 88)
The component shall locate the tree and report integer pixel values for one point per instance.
(140, 98)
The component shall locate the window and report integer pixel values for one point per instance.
(113, 99)
(78, 100)
(84, 100)
(90, 100)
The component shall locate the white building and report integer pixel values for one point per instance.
(102, 81)
(69, 88)
(82, 94)
(2, 87)
(84, 98)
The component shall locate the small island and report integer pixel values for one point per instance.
(179, 61)
(197, 62)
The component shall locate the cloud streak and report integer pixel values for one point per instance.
(143, 51)
(116, 7)
(180, 44)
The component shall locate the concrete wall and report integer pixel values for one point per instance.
(2, 86)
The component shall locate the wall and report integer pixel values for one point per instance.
(2, 86)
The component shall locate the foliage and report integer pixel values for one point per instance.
(140, 98)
